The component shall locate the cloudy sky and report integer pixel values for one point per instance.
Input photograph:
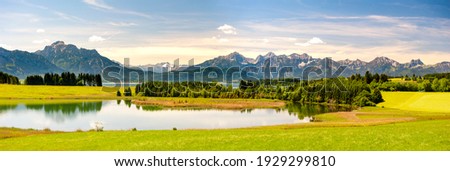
(164, 30)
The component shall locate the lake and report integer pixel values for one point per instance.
(124, 115)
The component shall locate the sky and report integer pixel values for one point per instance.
(150, 32)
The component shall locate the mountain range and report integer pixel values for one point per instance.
(60, 57)
(299, 62)
(56, 58)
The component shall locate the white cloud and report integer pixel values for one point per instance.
(40, 31)
(265, 40)
(41, 41)
(95, 38)
(382, 18)
(68, 17)
(98, 4)
(314, 40)
(122, 24)
(227, 29)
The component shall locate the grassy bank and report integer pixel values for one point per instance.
(53, 92)
(210, 102)
(16, 132)
(423, 135)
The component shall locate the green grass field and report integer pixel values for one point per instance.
(401, 80)
(417, 101)
(53, 92)
(423, 135)
(406, 121)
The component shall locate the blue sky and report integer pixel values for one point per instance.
(164, 30)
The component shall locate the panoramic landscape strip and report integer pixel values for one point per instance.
(212, 75)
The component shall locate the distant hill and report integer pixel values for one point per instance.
(73, 59)
(299, 62)
(22, 64)
(55, 58)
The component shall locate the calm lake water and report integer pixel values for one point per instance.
(123, 115)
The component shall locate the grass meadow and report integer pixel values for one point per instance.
(417, 101)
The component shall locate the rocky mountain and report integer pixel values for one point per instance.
(22, 64)
(441, 67)
(415, 63)
(382, 65)
(157, 68)
(297, 63)
(73, 59)
(225, 62)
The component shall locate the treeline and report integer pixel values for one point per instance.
(65, 79)
(330, 90)
(421, 84)
(439, 82)
(369, 78)
(437, 75)
(8, 79)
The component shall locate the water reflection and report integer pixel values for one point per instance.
(125, 115)
(127, 103)
(302, 111)
(5, 108)
(67, 108)
(66, 111)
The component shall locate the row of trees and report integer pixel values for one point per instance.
(8, 79)
(437, 75)
(438, 82)
(436, 85)
(66, 79)
(330, 90)
(369, 78)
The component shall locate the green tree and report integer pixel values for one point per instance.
(443, 85)
(376, 96)
(127, 91)
(376, 77)
(98, 80)
(147, 92)
(368, 77)
(137, 89)
(435, 85)
(118, 93)
(425, 85)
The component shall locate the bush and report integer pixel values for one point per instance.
(118, 93)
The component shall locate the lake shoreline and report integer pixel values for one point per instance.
(210, 103)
